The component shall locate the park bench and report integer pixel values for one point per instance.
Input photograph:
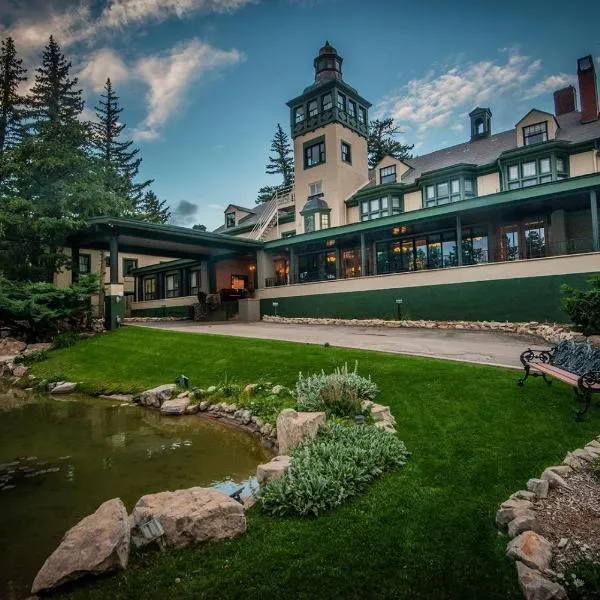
(575, 363)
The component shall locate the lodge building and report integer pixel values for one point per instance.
(486, 229)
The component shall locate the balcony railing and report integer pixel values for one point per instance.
(276, 281)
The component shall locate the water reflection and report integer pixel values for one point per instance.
(61, 459)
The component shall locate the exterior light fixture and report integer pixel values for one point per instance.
(359, 419)
(399, 307)
(331, 258)
(252, 268)
(397, 249)
(395, 230)
(331, 243)
(275, 305)
(153, 530)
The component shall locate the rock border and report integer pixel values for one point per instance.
(532, 552)
(551, 333)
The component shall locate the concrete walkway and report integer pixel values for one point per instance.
(485, 347)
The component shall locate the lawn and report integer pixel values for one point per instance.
(425, 532)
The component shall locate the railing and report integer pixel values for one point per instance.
(282, 198)
(276, 281)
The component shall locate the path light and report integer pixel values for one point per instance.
(153, 530)
(275, 305)
(399, 306)
(360, 419)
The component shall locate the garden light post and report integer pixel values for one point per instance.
(399, 308)
(275, 305)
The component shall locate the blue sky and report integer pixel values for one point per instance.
(204, 82)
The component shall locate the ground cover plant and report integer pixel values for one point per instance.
(425, 531)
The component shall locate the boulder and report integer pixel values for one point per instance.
(293, 427)
(192, 409)
(574, 462)
(539, 487)
(379, 412)
(177, 406)
(156, 396)
(532, 549)
(511, 509)
(31, 348)
(524, 495)
(274, 469)
(584, 455)
(117, 397)
(553, 478)
(536, 587)
(11, 347)
(562, 470)
(277, 389)
(245, 417)
(191, 515)
(20, 371)
(523, 522)
(250, 388)
(64, 387)
(97, 544)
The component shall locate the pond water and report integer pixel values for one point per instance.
(61, 458)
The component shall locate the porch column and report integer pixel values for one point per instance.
(338, 266)
(363, 255)
(459, 256)
(74, 264)
(595, 226)
(558, 241)
(139, 288)
(212, 277)
(265, 269)
(114, 259)
(292, 275)
(160, 286)
(185, 290)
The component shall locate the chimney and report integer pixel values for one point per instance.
(565, 101)
(588, 92)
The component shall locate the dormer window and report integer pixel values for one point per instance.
(387, 175)
(535, 134)
(299, 114)
(230, 220)
(446, 192)
(313, 108)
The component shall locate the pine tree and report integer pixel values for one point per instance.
(265, 193)
(381, 142)
(12, 74)
(282, 163)
(154, 210)
(199, 227)
(121, 161)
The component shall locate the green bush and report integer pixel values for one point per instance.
(31, 358)
(582, 581)
(327, 471)
(65, 340)
(339, 393)
(583, 307)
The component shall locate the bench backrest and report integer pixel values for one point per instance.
(576, 357)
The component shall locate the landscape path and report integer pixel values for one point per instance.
(485, 347)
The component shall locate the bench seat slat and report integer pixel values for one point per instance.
(562, 375)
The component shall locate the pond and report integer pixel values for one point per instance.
(61, 458)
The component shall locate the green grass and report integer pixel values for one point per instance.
(424, 532)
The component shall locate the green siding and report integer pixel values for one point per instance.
(163, 311)
(523, 299)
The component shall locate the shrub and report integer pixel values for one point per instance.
(338, 393)
(31, 358)
(65, 340)
(582, 580)
(583, 307)
(327, 471)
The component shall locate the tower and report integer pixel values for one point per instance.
(329, 125)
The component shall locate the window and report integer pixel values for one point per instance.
(316, 188)
(299, 114)
(341, 101)
(327, 101)
(449, 191)
(309, 223)
(535, 239)
(239, 282)
(314, 155)
(129, 264)
(535, 134)
(362, 115)
(352, 109)
(150, 288)
(346, 155)
(324, 220)
(195, 282)
(380, 207)
(561, 168)
(536, 171)
(107, 261)
(230, 220)
(387, 175)
(317, 266)
(172, 284)
(85, 263)
(288, 234)
(313, 108)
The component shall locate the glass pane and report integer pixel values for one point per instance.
(468, 186)
(545, 165)
(365, 208)
(430, 192)
(420, 253)
(560, 165)
(529, 182)
(434, 251)
(514, 186)
(455, 186)
(513, 172)
(375, 205)
(384, 202)
(442, 189)
(545, 178)
(529, 169)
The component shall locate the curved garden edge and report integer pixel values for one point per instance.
(532, 552)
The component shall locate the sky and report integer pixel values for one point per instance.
(203, 83)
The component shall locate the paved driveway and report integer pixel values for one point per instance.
(485, 347)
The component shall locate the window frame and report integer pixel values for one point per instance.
(152, 295)
(329, 105)
(308, 147)
(341, 101)
(175, 292)
(351, 109)
(127, 272)
(299, 114)
(386, 175)
(393, 205)
(456, 191)
(88, 260)
(527, 136)
(312, 193)
(362, 115)
(346, 156)
(228, 216)
(540, 176)
(309, 223)
(325, 220)
(310, 112)
(198, 287)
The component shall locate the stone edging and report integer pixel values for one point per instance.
(552, 333)
(532, 552)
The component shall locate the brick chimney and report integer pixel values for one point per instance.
(565, 101)
(588, 92)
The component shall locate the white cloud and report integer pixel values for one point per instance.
(169, 76)
(216, 206)
(549, 85)
(101, 65)
(438, 98)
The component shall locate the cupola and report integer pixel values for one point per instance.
(481, 123)
(328, 64)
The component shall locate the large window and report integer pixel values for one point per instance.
(299, 114)
(315, 188)
(309, 223)
(352, 109)
(375, 208)
(325, 220)
(150, 288)
(362, 115)
(387, 175)
(526, 239)
(341, 101)
(346, 153)
(314, 155)
(230, 220)
(129, 264)
(195, 282)
(535, 134)
(173, 284)
(317, 267)
(313, 108)
(449, 191)
(85, 263)
(534, 171)
(327, 101)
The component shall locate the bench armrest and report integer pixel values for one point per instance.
(589, 381)
(533, 356)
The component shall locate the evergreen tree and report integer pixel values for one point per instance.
(282, 163)
(12, 74)
(265, 193)
(154, 210)
(199, 227)
(381, 142)
(121, 161)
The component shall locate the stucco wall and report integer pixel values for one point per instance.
(272, 235)
(488, 184)
(352, 214)
(583, 163)
(226, 268)
(413, 201)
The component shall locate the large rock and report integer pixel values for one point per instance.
(274, 469)
(175, 407)
(20, 371)
(192, 515)
(11, 347)
(293, 427)
(532, 549)
(64, 387)
(97, 544)
(156, 396)
(536, 587)
(523, 522)
(31, 348)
